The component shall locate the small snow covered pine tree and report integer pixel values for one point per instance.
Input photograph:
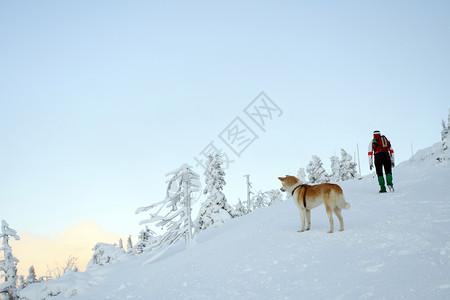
(274, 196)
(240, 208)
(22, 283)
(347, 166)
(31, 278)
(301, 175)
(120, 244)
(129, 244)
(174, 213)
(265, 199)
(105, 254)
(445, 133)
(445, 136)
(335, 169)
(146, 238)
(9, 263)
(215, 210)
(260, 200)
(445, 128)
(316, 172)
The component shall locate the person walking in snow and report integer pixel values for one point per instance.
(380, 147)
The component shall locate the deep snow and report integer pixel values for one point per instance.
(395, 246)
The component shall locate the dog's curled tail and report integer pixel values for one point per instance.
(342, 203)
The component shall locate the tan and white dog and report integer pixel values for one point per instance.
(307, 197)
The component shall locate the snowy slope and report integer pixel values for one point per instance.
(395, 246)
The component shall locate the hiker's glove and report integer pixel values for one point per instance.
(392, 163)
(371, 167)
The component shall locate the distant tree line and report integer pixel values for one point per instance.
(342, 169)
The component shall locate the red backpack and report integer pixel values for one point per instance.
(382, 144)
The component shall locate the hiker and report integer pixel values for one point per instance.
(380, 147)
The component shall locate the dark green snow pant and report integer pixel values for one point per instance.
(383, 160)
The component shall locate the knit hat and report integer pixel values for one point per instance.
(376, 132)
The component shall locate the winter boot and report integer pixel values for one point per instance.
(382, 186)
(389, 182)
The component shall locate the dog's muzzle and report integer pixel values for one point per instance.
(282, 189)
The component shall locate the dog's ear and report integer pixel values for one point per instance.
(281, 178)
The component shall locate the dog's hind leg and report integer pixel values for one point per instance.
(330, 218)
(302, 219)
(308, 219)
(337, 212)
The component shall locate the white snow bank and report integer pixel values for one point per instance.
(433, 154)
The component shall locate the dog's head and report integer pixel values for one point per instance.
(288, 182)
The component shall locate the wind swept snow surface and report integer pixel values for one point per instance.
(395, 246)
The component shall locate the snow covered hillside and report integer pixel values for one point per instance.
(395, 246)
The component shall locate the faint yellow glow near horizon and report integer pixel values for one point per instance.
(49, 252)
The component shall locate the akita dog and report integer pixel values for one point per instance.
(307, 197)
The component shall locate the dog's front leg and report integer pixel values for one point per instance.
(302, 218)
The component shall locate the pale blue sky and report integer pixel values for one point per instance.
(100, 99)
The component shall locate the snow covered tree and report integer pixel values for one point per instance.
(120, 244)
(335, 175)
(240, 208)
(129, 244)
(22, 283)
(274, 196)
(445, 136)
(146, 238)
(347, 166)
(173, 215)
(260, 200)
(9, 263)
(105, 254)
(69, 265)
(316, 172)
(265, 199)
(215, 210)
(31, 278)
(445, 133)
(445, 128)
(301, 175)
